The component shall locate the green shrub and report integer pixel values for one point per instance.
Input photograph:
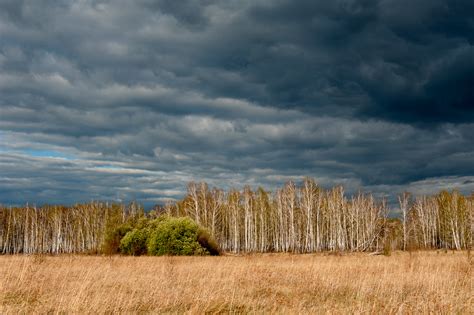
(163, 235)
(179, 236)
(134, 242)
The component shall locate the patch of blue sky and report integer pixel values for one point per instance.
(47, 153)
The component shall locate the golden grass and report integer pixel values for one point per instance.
(421, 282)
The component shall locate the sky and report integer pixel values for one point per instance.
(131, 100)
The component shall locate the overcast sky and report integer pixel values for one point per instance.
(130, 100)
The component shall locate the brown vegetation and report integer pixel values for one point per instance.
(416, 282)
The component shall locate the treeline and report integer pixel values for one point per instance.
(295, 218)
(59, 229)
(445, 220)
(308, 218)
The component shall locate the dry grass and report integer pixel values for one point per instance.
(422, 282)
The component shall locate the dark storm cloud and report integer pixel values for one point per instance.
(400, 61)
(189, 12)
(122, 100)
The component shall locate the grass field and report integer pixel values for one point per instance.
(426, 282)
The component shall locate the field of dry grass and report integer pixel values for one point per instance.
(402, 283)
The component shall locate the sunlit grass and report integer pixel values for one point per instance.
(427, 282)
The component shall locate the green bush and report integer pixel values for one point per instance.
(179, 236)
(134, 242)
(163, 235)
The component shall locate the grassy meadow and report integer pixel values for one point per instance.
(416, 282)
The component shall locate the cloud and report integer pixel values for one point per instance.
(100, 99)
